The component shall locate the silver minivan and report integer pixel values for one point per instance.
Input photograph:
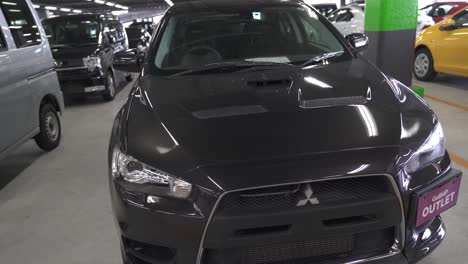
(30, 97)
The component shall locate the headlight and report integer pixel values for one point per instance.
(92, 63)
(431, 151)
(134, 171)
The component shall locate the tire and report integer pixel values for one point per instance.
(50, 128)
(424, 65)
(129, 77)
(109, 93)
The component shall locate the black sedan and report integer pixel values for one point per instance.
(256, 134)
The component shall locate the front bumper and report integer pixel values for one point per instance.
(78, 80)
(152, 236)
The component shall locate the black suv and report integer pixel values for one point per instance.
(83, 47)
(256, 134)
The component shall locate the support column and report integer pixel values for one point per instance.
(391, 28)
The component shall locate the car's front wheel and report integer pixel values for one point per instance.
(50, 128)
(109, 93)
(424, 65)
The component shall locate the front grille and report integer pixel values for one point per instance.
(342, 220)
(286, 197)
(329, 250)
(73, 74)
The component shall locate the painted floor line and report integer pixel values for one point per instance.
(459, 106)
(459, 160)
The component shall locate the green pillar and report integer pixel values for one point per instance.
(391, 27)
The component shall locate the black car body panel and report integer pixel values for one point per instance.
(252, 142)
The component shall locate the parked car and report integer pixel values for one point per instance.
(30, 98)
(256, 133)
(324, 9)
(138, 39)
(83, 47)
(439, 11)
(148, 25)
(349, 19)
(443, 48)
(424, 21)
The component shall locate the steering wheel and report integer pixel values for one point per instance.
(205, 51)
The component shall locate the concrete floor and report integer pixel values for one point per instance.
(55, 207)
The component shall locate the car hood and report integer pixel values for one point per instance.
(262, 115)
(71, 56)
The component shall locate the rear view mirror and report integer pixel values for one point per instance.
(358, 40)
(126, 61)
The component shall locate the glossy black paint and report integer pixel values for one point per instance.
(72, 56)
(221, 132)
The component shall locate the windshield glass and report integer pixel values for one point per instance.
(272, 34)
(134, 32)
(72, 31)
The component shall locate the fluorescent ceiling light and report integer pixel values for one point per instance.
(36, 6)
(125, 7)
(119, 12)
(65, 9)
(77, 11)
(169, 2)
(99, 2)
(14, 10)
(50, 7)
(110, 4)
(9, 3)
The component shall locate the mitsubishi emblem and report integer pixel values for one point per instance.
(309, 198)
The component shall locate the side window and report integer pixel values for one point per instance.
(442, 10)
(462, 19)
(21, 23)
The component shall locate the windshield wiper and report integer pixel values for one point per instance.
(322, 58)
(228, 66)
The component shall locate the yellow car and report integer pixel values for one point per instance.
(443, 48)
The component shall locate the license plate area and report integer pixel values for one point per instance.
(438, 200)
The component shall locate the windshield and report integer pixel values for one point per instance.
(72, 31)
(272, 34)
(134, 32)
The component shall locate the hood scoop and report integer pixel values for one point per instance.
(333, 101)
(229, 111)
(271, 85)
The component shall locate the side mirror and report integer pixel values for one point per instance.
(111, 39)
(358, 40)
(448, 25)
(126, 61)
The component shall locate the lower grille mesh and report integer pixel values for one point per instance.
(298, 250)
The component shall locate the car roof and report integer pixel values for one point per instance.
(204, 5)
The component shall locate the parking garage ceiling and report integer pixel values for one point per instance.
(103, 6)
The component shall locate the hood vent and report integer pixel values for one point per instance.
(331, 102)
(277, 85)
(229, 111)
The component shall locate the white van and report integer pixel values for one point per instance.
(30, 97)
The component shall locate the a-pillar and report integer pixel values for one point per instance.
(391, 28)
